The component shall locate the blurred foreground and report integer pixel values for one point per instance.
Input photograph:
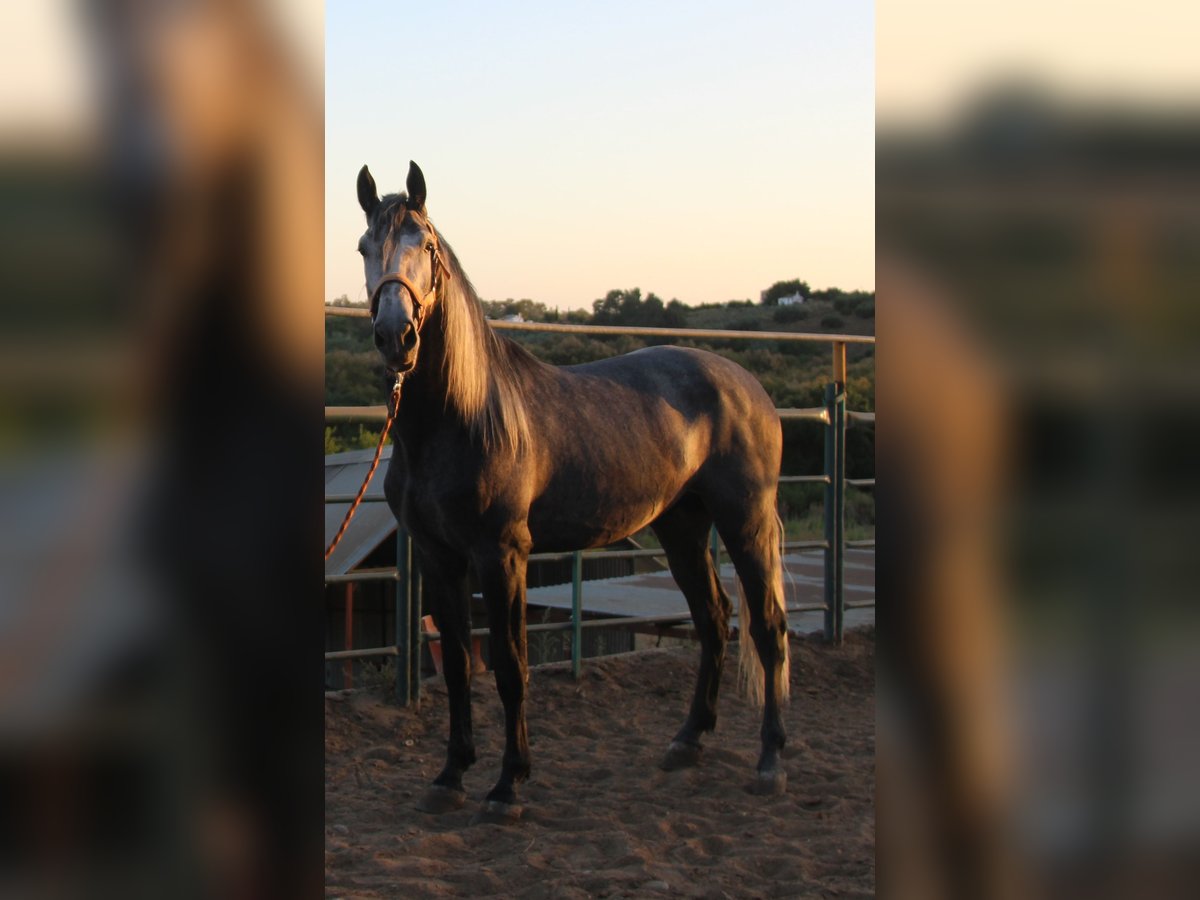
(159, 421)
(1039, 388)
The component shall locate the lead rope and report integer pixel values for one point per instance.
(374, 465)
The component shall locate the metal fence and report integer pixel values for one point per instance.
(833, 415)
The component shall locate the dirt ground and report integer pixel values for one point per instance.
(601, 819)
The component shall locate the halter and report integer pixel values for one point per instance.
(420, 303)
(420, 309)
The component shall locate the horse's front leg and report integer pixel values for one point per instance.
(447, 594)
(501, 572)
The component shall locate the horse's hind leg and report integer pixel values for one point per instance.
(752, 539)
(447, 595)
(683, 531)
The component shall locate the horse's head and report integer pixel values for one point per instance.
(404, 268)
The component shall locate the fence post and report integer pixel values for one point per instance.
(577, 614)
(348, 643)
(839, 507)
(404, 596)
(830, 530)
(416, 607)
(839, 363)
(835, 496)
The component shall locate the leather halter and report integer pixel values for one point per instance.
(437, 264)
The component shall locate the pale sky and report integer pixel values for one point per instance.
(698, 150)
(694, 149)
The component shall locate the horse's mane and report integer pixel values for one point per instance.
(484, 372)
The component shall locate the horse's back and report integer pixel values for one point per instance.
(684, 374)
(696, 407)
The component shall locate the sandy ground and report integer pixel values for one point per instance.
(601, 819)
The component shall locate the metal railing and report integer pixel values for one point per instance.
(833, 415)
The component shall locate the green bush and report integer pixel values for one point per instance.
(786, 314)
(744, 325)
(349, 436)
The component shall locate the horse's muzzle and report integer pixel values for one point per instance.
(397, 345)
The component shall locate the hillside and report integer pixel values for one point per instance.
(794, 374)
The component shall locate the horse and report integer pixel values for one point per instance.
(497, 455)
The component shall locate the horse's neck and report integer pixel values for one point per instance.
(424, 390)
(427, 401)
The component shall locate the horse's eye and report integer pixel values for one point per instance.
(429, 246)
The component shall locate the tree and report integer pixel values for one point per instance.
(675, 315)
(607, 309)
(619, 307)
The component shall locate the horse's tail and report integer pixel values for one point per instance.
(750, 668)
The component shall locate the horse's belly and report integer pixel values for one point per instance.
(582, 525)
(614, 483)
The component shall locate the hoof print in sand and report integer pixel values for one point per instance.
(681, 756)
(493, 812)
(438, 799)
(769, 784)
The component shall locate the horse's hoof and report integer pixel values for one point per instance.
(438, 799)
(770, 783)
(496, 812)
(680, 756)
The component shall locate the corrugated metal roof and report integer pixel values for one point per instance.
(372, 524)
(656, 594)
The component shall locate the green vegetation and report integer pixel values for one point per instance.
(350, 437)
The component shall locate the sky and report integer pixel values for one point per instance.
(697, 150)
(701, 151)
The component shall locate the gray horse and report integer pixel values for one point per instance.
(499, 455)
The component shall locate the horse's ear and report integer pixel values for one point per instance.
(368, 196)
(416, 187)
